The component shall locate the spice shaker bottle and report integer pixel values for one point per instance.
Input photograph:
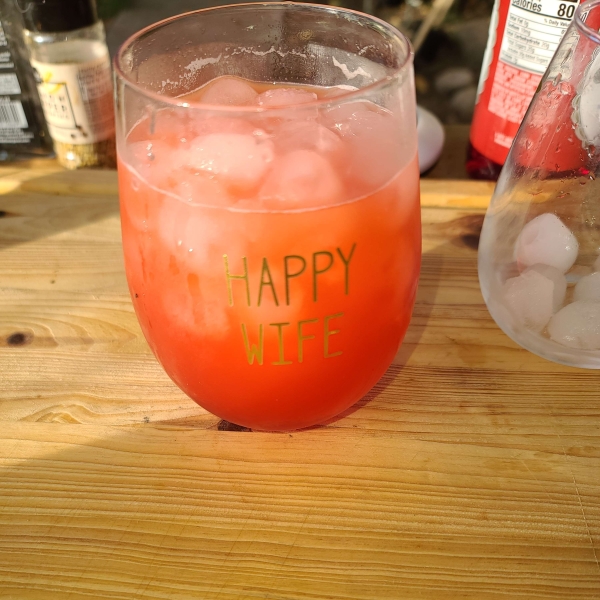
(67, 45)
(23, 131)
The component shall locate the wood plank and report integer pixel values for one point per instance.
(72, 311)
(470, 471)
(76, 318)
(91, 511)
(456, 194)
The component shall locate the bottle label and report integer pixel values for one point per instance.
(14, 127)
(9, 84)
(12, 115)
(77, 100)
(532, 32)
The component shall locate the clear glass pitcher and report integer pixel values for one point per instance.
(539, 254)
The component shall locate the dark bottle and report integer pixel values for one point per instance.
(23, 132)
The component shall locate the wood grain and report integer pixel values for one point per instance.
(162, 513)
(471, 471)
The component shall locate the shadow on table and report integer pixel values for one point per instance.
(57, 202)
(458, 236)
(54, 202)
(432, 264)
(426, 292)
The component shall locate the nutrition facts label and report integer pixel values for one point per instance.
(533, 32)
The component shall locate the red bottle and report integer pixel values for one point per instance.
(524, 35)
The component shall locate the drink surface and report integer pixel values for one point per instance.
(272, 255)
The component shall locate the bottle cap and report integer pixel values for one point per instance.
(53, 16)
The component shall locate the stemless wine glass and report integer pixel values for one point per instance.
(269, 190)
(539, 264)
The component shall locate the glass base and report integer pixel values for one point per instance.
(541, 345)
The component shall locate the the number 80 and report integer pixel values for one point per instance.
(566, 11)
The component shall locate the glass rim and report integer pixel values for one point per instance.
(584, 7)
(397, 36)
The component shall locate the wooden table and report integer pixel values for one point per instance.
(471, 471)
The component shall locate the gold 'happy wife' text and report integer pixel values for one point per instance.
(297, 270)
